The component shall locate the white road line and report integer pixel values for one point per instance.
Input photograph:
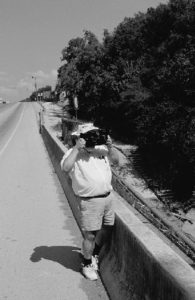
(12, 135)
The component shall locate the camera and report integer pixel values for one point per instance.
(95, 137)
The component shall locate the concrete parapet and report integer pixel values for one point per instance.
(56, 151)
(135, 264)
(139, 265)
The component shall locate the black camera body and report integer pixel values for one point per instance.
(95, 137)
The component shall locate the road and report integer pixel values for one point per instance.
(39, 238)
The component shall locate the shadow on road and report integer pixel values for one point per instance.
(67, 256)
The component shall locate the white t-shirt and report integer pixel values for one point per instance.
(91, 174)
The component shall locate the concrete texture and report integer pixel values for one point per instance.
(39, 237)
(135, 264)
(139, 265)
(189, 227)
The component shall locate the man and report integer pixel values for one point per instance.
(89, 169)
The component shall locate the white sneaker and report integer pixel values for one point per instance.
(95, 262)
(89, 272)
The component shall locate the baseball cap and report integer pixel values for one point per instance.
(83, 128)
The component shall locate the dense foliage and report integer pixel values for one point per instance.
(140, 83)
(35, 96)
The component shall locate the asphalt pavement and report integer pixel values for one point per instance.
(39, 240)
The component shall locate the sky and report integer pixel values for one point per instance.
(34, 32)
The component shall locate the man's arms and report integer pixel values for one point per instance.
(68, 163)
(112, 152)
(70, 160)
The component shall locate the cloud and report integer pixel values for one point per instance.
(42, 79)
(3, 77)
(42, 76)
(26, 85)
(7, 90)
(54, 73)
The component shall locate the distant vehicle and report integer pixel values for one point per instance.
(3, 101)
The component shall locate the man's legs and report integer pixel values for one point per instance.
(103, 236)
(94, 212)
(88, 246)
(89, 243)
(94, 240)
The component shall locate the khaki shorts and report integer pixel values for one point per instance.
(96, 212)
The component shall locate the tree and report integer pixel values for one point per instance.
(140, 83)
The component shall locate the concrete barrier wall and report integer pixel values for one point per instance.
(56, 151)
(135, 264)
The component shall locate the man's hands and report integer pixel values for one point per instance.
(109, 142)
(80, 144)
(69, 162)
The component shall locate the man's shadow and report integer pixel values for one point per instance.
(67, 256)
